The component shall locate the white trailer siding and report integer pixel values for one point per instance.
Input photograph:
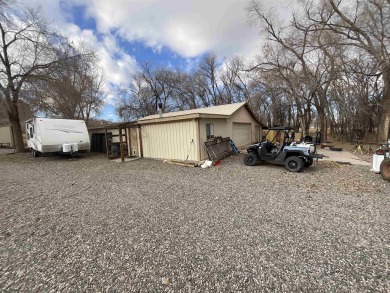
(49, 135)
(173, 140)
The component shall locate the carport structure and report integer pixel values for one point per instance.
(116, 140)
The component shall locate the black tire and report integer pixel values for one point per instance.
(308, 162)
(35, 153)
(250, 159)
(294, 164)
(385, 169)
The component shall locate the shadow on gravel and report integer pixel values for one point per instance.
(67, 157)
(28, 158)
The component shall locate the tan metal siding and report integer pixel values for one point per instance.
(241, 134)
(220, 129)
(257, 133)
(6, 135)
(170, 140)
(133, 145)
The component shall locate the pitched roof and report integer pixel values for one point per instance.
(222, 110)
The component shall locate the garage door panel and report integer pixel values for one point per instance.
(241, 134)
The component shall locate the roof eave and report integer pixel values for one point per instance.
(168, 119)
(114, 125)
(214, 116)
(253, 114)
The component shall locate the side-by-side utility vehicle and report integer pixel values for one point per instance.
(294, 156)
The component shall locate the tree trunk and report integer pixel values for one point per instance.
(322, 124)
(384, 127)
(307, 117)
(13, 116)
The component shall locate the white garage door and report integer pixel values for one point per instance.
(241, 134)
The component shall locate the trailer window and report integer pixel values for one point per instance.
(31, 132)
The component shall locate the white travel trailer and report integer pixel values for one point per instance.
(46, 135)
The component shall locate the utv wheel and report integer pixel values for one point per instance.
(294, 164)
(385, 169)
(308, 162)
(250, 159)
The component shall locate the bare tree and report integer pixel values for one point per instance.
(185, 95)
(73, 90)
(28, 50)
(207, 80)
(235, 79)
(161, 84)
(137, 101)
(303, 43)
(362, 25)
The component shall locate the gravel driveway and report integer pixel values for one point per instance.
(89, 224)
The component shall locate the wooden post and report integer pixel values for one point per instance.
(107, 150)
(127, 144)
(121, 145)
(139, 138)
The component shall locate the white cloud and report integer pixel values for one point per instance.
(50, 9)
(117, 64)
(188, 28)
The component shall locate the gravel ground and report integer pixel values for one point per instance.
(91, 225)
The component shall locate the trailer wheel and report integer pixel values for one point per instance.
(385, 169)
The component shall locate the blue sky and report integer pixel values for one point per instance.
(166, 33)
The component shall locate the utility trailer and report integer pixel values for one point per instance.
(47, 135)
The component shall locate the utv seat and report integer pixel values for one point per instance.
(266, 148)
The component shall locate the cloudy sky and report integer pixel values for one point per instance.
(169, 33)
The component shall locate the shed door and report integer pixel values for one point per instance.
(241, 134)
(98, 143)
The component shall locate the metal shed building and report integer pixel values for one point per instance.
(6, 136)
(181, 135)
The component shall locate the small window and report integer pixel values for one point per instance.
(210, 130)
(31, 132)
